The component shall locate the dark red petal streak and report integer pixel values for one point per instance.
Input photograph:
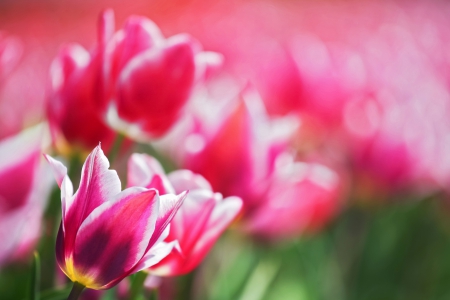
(114, 237)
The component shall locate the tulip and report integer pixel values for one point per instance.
(24, 189)
(76, 95)
(198, 223)
(241, 152)
(302, 197)
(151, 78)
(239, 140)
(105, 234)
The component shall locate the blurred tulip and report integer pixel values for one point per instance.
(239, 149)
(301, 197)
(152, 77)
(24, 189)
(198, 223)
(233, 144)
(76, 96)
(105, 234)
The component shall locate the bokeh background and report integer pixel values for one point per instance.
(369, 82)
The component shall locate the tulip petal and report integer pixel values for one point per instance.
(156, 254)
(59, 170)
(19, 155)
(138, 35)
(98, 184)
(192, 218)
(183, 180)
(114, 237)
(146, 171)
(146, 84)
(169, 207)
(222, 215)
(64, 182)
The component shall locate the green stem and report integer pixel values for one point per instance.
(76, 291)
(115, 149)
(35, 278)
(137, 284)
(154, 294)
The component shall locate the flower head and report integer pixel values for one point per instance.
(198, 223)
(105, 234)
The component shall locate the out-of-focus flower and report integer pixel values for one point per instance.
(239, 149)
(150, 77)
(198, 223)
(105, 234)
(24, 189)
(135, 80)
(238, 139)
(76, 96)
(301, 197)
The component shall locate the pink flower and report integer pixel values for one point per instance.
(241, 152)
(233, 145)
(151, 77)
(105, 234)
(198, 223)
(301, 197)
(77, 94)
(24, 189)
(135, 80)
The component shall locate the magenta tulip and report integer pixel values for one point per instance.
(151, 77)
(76, 95)
(105, 234)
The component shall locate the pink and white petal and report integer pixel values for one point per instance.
(138, 35)
(161, 183)
(221, 217)
(190, 222)
(59, 170)
(138, 173)
(142, 170)
(19, 161)
(114, 237)
(183, 180)
(169, 205)
(156, 254)
(64, 182)
(98, 184)
(223, 214)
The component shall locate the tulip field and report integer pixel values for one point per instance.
(225, 150)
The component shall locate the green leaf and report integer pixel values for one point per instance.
(136, 285)
(35, 278)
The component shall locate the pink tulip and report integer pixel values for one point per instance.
(105, 234)
(151, 78)
(198, 223)
(301, 197)
(241, 151)
(76, 96)
(234, 146)
(24, 189)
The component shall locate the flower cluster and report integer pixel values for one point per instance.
(274, 141)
